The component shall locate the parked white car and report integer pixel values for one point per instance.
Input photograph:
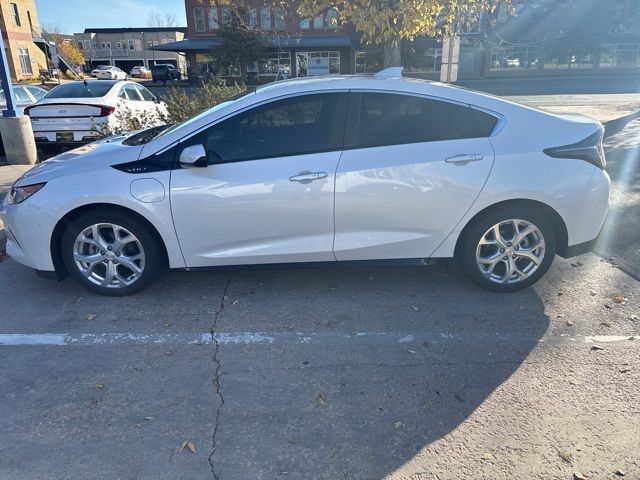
(111, 73)
(139, 71)
(24, 95)
(329, 170)
(75, 113)
(94, 72)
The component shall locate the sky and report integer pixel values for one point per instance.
(76, 15)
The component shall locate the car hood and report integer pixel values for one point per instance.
(96, 155)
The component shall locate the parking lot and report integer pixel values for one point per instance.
(409, 373)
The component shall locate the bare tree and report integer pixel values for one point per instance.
(156, 19)
(53, 28)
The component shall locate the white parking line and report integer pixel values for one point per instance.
(248, 338)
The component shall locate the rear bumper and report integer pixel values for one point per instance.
(585, 217)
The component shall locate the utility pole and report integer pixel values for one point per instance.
(16, 130)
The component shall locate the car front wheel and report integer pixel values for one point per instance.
(508, 250)
(110, 253)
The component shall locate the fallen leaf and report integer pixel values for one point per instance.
(597, 347)
(488, 456)
(619, 298)
(565, 456)
(607, 306)
(574, 264)
(321, 400)
(560, 315)
(592, 293)
(569, 323)
(574, 383)
(621, 473)
(292, 441)
(397, 425)
(169, 353)
(625, 370)
(415, 308)
(560, 293)
(605, 324)
(167, 324)
(148, 418)
(188, 446)
(411, 351)
(91, 316)
(99, 386)
(579, 263)
(635, 318)
(235, 302)
(579, 476)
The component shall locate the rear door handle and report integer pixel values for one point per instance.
(307, 177)
(464, 158)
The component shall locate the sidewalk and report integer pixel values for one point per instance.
(8, 174)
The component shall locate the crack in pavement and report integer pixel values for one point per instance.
(216, 376)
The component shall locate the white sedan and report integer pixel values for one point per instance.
(111, 73)
(75, 113)
(354, 170)
(139, 71)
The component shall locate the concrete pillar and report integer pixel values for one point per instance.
(17, 137)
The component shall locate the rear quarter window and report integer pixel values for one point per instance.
(393, 119)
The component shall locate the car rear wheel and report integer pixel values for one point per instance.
(111, 254)
(508, 250)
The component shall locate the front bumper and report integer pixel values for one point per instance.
(29, 231)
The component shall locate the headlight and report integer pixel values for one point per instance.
(20, 194)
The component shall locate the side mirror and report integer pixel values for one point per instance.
(194, 156)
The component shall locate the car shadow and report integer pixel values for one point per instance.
(365, 368)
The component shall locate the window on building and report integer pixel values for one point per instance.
(390, 119)
(625, 55)
(15, 14)
(213, 19)
(318, 22)
(305, 24)
(361, 61)
(253, 18)
(132, 44)
(138, 43)
(332, 19)
(514, 58)
(80, 45)
(226, 16)
(317, 63)
(198, 16)
(278, 15)
(274, 63)
(265, 18)
(119, 45)
(29, 19)
(293, 126)
(87, 45)
(25, 61)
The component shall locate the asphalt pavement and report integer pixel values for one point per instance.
(405, 373)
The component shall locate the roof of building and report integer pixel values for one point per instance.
(190, 44)
(136, 30)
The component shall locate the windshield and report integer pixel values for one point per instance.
(186, 123)
(81, 90)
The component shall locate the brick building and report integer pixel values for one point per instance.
(297, 47)
(24, 45)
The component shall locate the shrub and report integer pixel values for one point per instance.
(182, 104)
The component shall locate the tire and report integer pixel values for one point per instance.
(531, 254)
(106, 272)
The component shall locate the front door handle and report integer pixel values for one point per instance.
(308, 177)
(464, 158)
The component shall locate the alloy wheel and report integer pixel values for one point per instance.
(510, 251)
(109, 255)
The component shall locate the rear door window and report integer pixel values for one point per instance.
(132, 93)
(147, 96)
(381, 119)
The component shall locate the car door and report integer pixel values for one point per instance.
(266, 192)
(411, 169)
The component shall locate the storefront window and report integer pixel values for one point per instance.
(568, 61)
(278, 15)
(426, 61)
(514, 58)
(198, 16)
(213, 19)
(620, 56)
(265, 18)
(310, 64)
(273, 64)
(25, 61)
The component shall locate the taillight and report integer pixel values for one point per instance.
(590, 149)
(106, 110)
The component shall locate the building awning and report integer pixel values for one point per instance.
(204, 44)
